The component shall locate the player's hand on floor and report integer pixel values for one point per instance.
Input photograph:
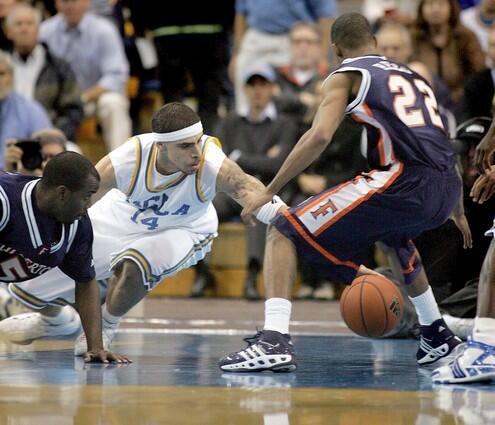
(463, 225)
(102, 356)
(484, 187)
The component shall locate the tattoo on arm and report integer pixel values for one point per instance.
(241, 187)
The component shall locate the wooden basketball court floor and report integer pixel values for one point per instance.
(175, 344)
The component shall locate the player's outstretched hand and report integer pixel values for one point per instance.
(249, 211)
(463, 225)
(483, 187)
(102, 356)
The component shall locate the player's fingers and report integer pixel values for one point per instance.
(477, 187)
(486, 192)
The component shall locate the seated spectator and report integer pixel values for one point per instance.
(39, 75)
(93, 47)
(300, 80)
(51, 142)
(19, 116)
(479, 89)
(5, 6)
(259, 142)
(445, 46)
(480, 19)
(261, 34)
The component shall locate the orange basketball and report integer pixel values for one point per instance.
(371, 306)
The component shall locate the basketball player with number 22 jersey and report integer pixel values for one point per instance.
(413, 187)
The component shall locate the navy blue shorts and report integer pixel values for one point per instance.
(335, 229)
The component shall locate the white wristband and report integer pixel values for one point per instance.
(268, 211)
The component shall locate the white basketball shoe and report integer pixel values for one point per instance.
(27, 327)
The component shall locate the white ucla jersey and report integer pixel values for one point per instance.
(163, 202)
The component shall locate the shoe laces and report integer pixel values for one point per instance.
(253, 339)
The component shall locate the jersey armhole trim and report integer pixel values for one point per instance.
(363, 88)
(137, 166)
(199, 191)
(4, 200)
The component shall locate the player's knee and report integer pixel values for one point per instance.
(128, 273)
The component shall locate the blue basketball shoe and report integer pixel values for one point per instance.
(267, 350)
(436, 343)
(475, 364)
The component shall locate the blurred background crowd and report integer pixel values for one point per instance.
(78, 72)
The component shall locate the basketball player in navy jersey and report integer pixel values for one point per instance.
(44, 224)
(413, 187)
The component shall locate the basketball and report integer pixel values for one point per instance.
(371, 306)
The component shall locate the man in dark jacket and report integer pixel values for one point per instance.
(41, 76)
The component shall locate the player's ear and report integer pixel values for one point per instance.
(62, 192)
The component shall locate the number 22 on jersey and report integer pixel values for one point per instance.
(405, 101)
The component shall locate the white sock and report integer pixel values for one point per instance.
(426, 307)
(484, 330)
(109, 319)
(277, 315)
(65, 316)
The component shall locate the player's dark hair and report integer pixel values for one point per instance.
(352, 31)
(68, 169)
(172, 117)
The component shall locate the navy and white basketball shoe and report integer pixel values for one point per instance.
(436, 343)
(267, 350)
(475, 364)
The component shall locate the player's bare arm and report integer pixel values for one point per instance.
(107, 175)
(241, 187)
(337, 91)
(88, 306)
(484, 151)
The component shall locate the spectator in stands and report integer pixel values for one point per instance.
(258, 141)
(300, 79)
(51, 141)
(261, 34)
(19, 116)
(191, 40)
(381, 12)
(93, 47)
(480, 19)
(5, 6)
(479, 90)
(39, 75)
(445, 46)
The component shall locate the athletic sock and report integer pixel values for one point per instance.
(484, 330)
(426, 307)
(66, 315)
(109, 319)
(277, 315)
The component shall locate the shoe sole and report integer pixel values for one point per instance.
(467, 379)
(276, 369)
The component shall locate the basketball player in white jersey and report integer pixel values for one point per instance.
(154, 217)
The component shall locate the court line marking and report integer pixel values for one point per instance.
(196, 331)
(214, 322)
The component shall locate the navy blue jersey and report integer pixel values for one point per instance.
(31, 243)
(400, 115)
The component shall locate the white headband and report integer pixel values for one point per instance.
(183, 133)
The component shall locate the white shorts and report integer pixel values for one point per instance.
(157, 254)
